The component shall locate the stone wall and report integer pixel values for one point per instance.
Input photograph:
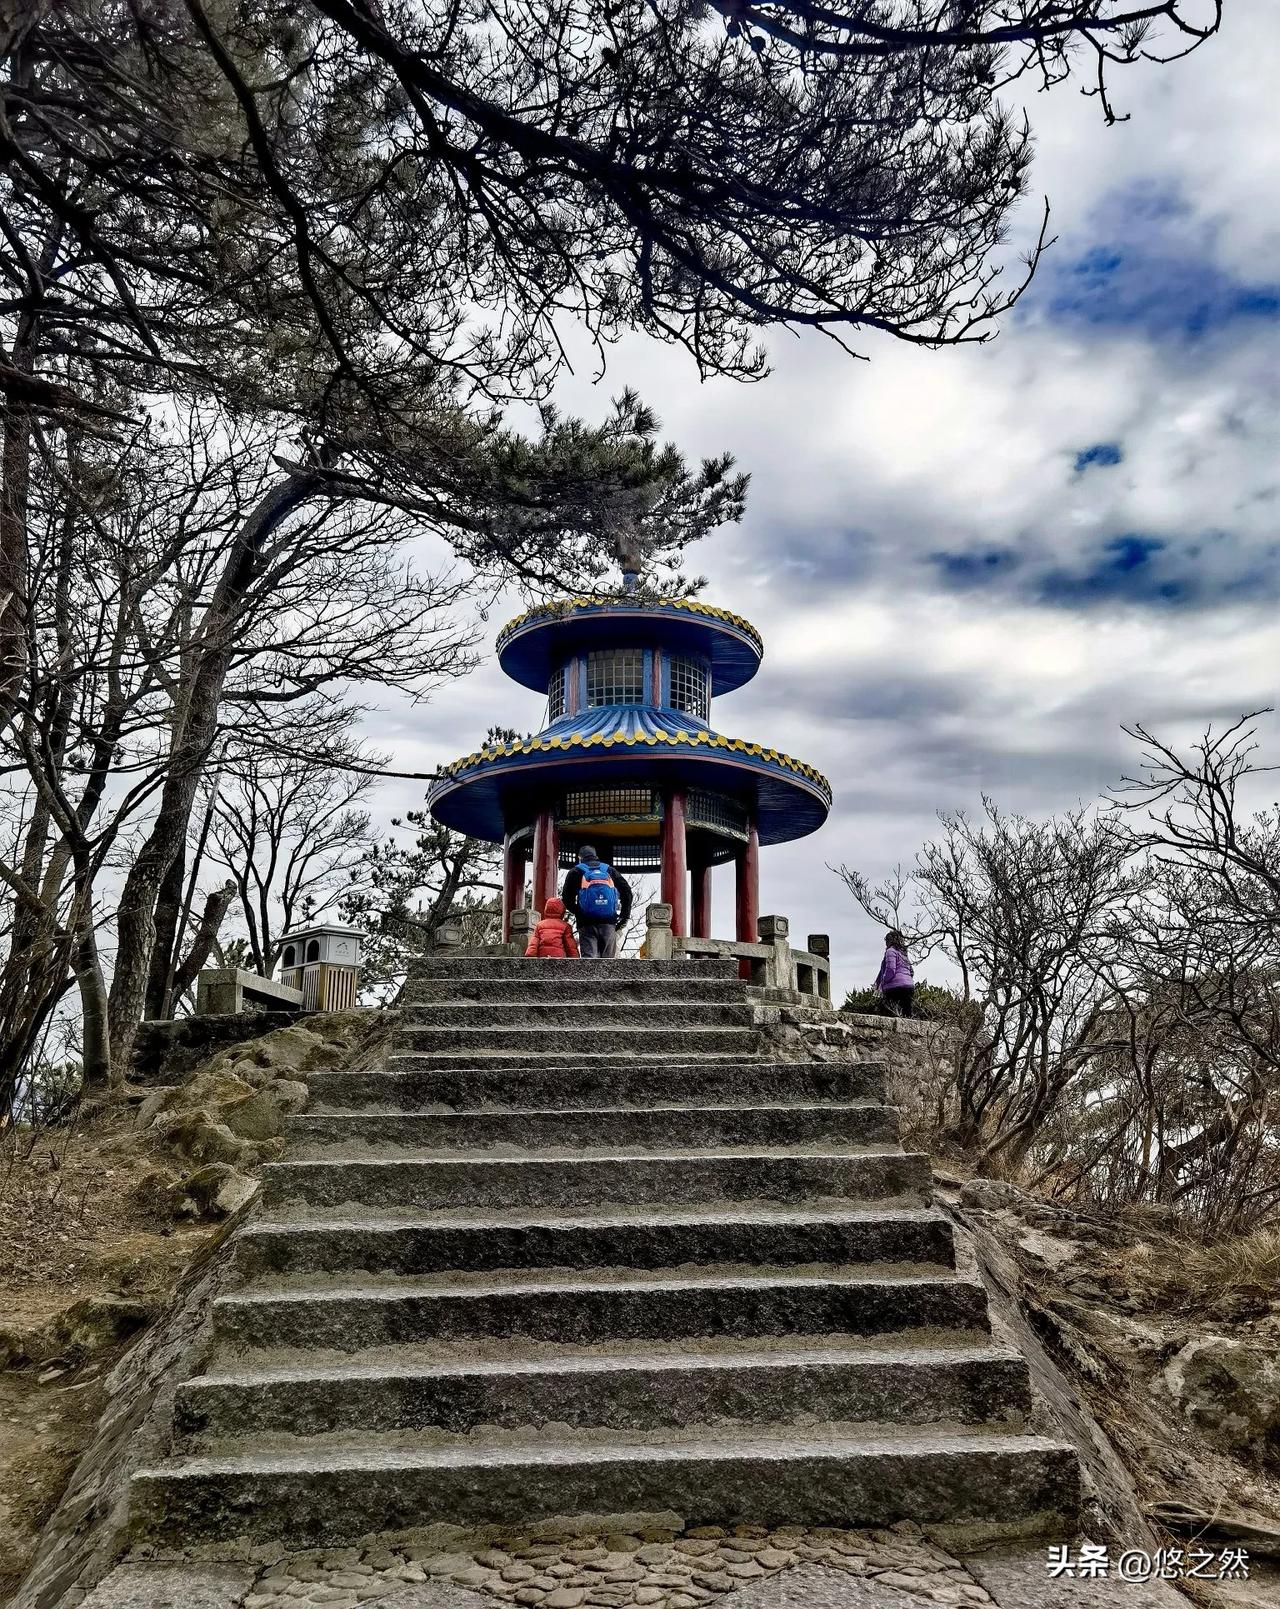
(919, 1058)
(917, 1055)
(229, 1116)
(167, 1052)
(798, 1032)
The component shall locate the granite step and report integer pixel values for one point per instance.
(569, 1016)
(537, 987)
(605, 1305)
(588, 1178)
(617, 1237)
(558, 1081)
(317, 1494)
(503, 1277)
(957, 1384)
(641, 1040)
(522, 967)
(832, 1122)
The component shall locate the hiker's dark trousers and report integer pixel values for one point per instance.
(597, 940)
(896, 1002)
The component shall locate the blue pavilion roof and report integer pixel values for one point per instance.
(629, 743)
(530, 647)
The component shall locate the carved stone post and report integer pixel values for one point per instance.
(449, 935)
(820, 944)
(659, 943)
(779, 973)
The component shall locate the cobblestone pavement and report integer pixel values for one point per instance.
(656, 1569)
(903, 1572)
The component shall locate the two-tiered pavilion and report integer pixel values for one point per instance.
(628, 760)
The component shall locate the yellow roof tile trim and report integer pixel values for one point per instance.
(566, 606)
(602, 740)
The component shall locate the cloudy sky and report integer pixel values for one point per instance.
(970, 566)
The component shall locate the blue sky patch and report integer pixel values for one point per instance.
(974, 569)
(1103, 453)
(1150, 269)
(1131, 568)
(1127, 570)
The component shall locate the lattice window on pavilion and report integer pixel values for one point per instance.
(609, 805)
(690, 691)
(641, 856)
(717, 812)
(557, 693)
(616, 676)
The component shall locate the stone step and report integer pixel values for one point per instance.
(576, 1017)
(634, 1390)
(588, 1178)
(611, 1304)
(316, 1494)
(519, 966)
(637, 986)
(641, 1041)
(561, 1082)
(833, 1122)
(618, 1237)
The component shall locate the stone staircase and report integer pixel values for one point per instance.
(505, 1278)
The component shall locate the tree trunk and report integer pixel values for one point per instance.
(206, 936)
(18, 20)
(195, 731)
(93, 1012)
(43, 984)
(15, 449)
(163, 959)
(15, 475)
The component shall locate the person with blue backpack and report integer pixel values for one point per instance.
(602, 899)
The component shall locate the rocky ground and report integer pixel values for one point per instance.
(100, 1219)
(1173, 1348)
(87, 1259)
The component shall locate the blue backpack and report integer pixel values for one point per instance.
(597, 898)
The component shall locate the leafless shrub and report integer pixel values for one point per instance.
(1123, 968)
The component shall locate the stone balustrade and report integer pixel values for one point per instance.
(788, 975)
(227, 991)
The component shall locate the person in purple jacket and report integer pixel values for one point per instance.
(895, 984)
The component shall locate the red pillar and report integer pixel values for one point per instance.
(748, 880)
(675, 875)
(702, 901)
(513, 865)
(546, 849)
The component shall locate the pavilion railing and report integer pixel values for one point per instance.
(770, 964)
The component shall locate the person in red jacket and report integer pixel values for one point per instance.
(553, 936)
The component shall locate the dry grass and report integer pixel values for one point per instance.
(83, 1214)
(1201, 1274)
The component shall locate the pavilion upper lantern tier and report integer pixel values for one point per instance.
(696, 652)
(627, 759)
